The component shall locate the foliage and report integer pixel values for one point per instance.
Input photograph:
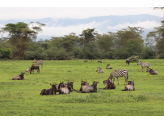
(5, 53)
(122, 36)
(148, 53)
(87, 37)
(133, 47)
(133, 58)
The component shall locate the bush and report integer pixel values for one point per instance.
(148, 53)
(133, 58)
(161, 56)
(5, 53)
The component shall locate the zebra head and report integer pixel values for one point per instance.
(139, 62)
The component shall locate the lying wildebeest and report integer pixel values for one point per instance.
(84, 84)
(100, 70)
(127, 61)
(50, 91)
(108, 84)
(20, 77)
(69, 85)
(63, 89)
(131, 82)
(27, 70)
(152, 72)
(92, 88)
(130, 86)
(99, 61)
(34, 67)
(85, 60)
(108, 66)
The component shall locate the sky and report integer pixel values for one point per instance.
(17, 11)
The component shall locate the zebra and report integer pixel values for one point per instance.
(38, 62)
(143, 65)
(119, 73)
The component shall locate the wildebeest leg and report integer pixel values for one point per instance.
(142, 69)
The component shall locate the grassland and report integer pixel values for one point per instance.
(22, 97)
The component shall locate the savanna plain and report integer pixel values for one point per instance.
(22, 97)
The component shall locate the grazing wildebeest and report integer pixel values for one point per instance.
(108, 84)
(143, 65)
(92, 88)
(108, 66)
(99, 61)
(34, 67)
(63, 89)
(152, 72)
(100, 70)
(50, 91)
(20, 77)
(119, 73)
(85, 60)
(127, 61)
(38, 62)
(130, 86)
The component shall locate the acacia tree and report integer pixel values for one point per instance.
(20, 34)
(122, 36)
(158, 36)
(87, 36)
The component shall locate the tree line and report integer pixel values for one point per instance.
(21, 43)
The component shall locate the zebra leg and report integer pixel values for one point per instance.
(142, 69)
(117, 80)
(113, 79)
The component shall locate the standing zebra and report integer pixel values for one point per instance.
(119, 73)
(143, 65)
(38, 62)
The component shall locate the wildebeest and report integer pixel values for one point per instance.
(108, 84)
(152, 72)
(119, 73)
(127, 61)
(143, 65)
(19, 77)
(50, 91)
(92, 88)
(100, 70)
(34, 67)
(131, 82)
(84, 84)
(108, 66)
(27, 70)
(85, 60)
(38, 62)
(69, 85)
(99, 61)
(63, 89)
(130, 86)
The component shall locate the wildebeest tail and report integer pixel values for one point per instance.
(42, 92)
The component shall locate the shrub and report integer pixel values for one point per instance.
(148, 53)
(133, 58)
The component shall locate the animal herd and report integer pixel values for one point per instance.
(63, 88)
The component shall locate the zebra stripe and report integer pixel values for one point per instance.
(143, 65)
(38, 62)
(119, 73)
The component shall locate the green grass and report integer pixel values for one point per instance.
(22, 97)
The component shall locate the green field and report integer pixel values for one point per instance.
(22, 97)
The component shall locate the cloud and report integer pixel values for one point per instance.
(23, 13)
(101, 27)
(145, 24)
